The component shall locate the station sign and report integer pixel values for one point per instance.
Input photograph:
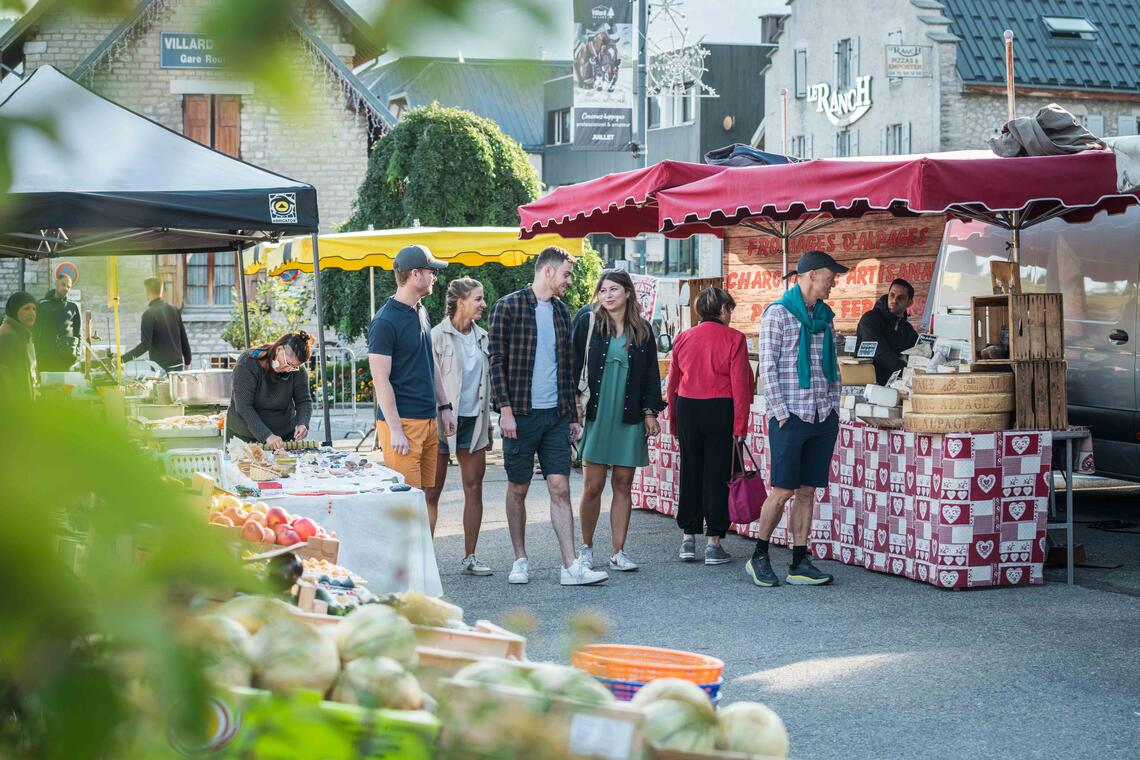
(182, 50)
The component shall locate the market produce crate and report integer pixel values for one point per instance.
(644, 664)
(487, 640)
(483, 721)
(186, 463)
(317, 548)
(1032, 326)
(377, 734)
(1042, 400)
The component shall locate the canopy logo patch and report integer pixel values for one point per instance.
(283, 208)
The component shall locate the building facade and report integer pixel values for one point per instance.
(135, 62)
(945, 85)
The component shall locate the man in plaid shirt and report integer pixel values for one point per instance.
(799, 375)
(532, 387)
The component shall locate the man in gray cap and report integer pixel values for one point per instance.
(407, 383)
(799, 375)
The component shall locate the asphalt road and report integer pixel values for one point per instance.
(871, 667)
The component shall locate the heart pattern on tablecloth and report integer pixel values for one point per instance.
(984, 548)
(1087, 464)
(872, 440)
(922, 510)
(846, 556)
(948, 578)
(910, 479)
(986, 482)
(954, 446)
(859, 473)
(897, 443)
(1041, 543)
(937, 480)
(924, 444)
(835, 468)
(1013, 574)
(1020, 443)
(846, 437)
(882, 535)
(951, 512)
(846, 498)
(1017, 509)
(883, 476)
(897, 566)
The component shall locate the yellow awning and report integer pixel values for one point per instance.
(353, 251)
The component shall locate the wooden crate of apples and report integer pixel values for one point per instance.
(259, 523)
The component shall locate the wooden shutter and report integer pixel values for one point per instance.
(906, 129)
(227, 124)
(1126, 125)
(196, 118)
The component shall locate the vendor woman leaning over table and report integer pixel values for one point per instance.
(460, 348)
(270, 400)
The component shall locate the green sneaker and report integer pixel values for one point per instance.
(759, 569)
(807, 574)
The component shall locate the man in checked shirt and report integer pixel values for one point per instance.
(799, 375)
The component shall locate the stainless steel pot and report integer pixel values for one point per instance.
(201, 386)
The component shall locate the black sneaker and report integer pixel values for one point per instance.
(688, 551)
(807, 574)
(759, 569)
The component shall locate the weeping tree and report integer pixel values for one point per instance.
(441, 167)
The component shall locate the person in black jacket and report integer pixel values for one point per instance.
(17, 353)
(163, 336)
(57, 329)
(270, 402)
(887, 325)
(613, 346)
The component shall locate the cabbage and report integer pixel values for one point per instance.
(378, 682)
(226, 646)
(680, 725)
(291, 654)
(252, 611)
(496, 673)
(675, 689)
(571, 683)
(752, 728)
(376, 630)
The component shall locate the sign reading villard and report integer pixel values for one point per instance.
(188, 51)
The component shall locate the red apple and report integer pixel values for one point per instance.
(276, 516)
(221, 520)
(252, 531)
(305, 528)
(288, 537)
(256, 517)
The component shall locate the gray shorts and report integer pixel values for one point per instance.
(464, 433)
(545, 432)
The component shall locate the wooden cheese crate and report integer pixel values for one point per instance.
(1041, 396)
(1032, 324)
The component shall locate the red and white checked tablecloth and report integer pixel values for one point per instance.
(956, 510)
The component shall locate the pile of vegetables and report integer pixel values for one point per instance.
(679, 716)
(260, 642)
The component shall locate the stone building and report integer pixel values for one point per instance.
(945, 88)
(157, 63)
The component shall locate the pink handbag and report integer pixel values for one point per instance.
(746, 491)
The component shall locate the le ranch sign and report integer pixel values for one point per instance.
(842, 108)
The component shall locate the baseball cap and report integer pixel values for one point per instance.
(416, 257)
(812, 260)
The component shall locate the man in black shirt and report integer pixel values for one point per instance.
(57, 329)
(887, 325)
(163, 335)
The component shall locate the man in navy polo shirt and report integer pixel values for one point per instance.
(408, 385)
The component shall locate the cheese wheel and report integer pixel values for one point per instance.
(955, 423)
(965, 403)
(956, 383)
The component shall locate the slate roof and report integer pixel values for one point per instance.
(509, 92)
(1111, 62)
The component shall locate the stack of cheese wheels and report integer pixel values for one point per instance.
(977, 402)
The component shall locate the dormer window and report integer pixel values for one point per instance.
(1069, 28)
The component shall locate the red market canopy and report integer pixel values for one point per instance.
(968, 184)
(619, 204)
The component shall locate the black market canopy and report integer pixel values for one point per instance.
(91, 177)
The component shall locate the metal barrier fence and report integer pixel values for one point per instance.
(342, 386)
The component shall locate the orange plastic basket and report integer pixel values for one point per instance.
(643, 664)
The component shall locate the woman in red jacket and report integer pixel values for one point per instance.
(710, 389)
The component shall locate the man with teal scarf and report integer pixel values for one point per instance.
(799, 375)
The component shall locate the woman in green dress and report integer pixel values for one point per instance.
(615, 360)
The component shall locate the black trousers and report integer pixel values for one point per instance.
(704, 432)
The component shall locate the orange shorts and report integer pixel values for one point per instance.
(418, 465)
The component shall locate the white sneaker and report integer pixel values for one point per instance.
(580, 575)
(472, 566)
(586, 556)
(622, 562)
(520, 572)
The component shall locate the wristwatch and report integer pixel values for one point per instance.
(445, 407)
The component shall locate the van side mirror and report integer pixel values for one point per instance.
(664, 343)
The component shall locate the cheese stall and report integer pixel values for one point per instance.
(945, 473)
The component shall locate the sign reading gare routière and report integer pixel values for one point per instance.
(180, 50)
(877, 248)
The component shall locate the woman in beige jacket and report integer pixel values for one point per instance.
(461, 354)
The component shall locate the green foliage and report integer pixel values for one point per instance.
(91, 660)
(442, 167)
(285, 308)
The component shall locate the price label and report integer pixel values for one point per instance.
(867, 349)
(849, 344)
(595, 736)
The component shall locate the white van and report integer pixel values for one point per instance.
(1095, 266)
